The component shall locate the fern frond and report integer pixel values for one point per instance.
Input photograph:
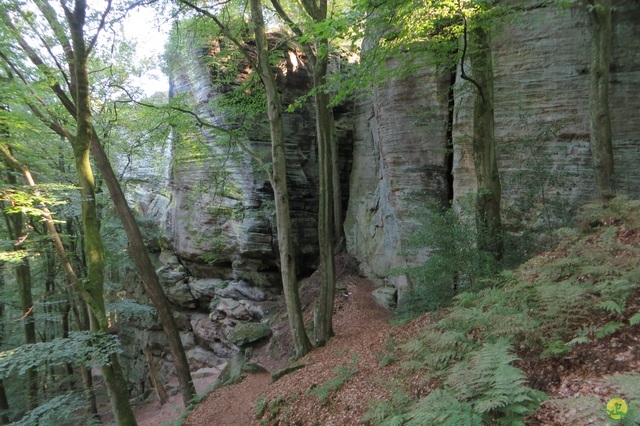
(608, 328)
(611, 307)
(441, 407)
(627, 383)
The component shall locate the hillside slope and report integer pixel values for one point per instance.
(550, 343)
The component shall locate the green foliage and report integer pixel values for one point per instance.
(582, 410)
(577, 293)
(387, 412)
(261, 406)
(442, 407)
(454, 264)
(483, 388)
(592, 410)
(81, 348)
(543, 200)
(389, 355)
(343, 374)
(60, 410)
(128, 309)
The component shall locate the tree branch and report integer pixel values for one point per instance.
(463, 74)
(225, 30)
(233, 135)
(40, 64)
(103, 19)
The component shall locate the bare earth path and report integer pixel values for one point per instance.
(361, 328)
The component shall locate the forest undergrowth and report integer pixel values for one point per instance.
(549, 343)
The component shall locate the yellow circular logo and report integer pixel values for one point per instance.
(617, 408)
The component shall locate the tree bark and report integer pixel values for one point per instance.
(279, 184)
(489, 190)
(4, 402)
(599, 112)
(327, 237)
(23, 280)
(94, 249)
(326, 232)
(330, 204)
(145, 268)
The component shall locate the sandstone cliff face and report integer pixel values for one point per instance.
(223, 217)
(541, 66)
(399, 158)
(219, 264)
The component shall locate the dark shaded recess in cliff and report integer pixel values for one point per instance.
(343, 114)
(449, 135)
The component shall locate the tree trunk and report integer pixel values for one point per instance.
(279, 183)
(4, 402)
(23, 280)
(94, 249)
(85, 372)
(489, 193)
(326, 232)
(140, 256)
(599, 113)
(161, 392)
(330, 204)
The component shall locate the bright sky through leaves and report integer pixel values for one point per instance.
(150, 32)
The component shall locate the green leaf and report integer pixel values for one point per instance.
(611, 306)
(609, 328)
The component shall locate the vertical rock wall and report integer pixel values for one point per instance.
(399, 160)
(541, 59)
(223, 216)
(541, 62)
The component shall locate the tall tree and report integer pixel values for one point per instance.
(278, 174)
(279, 183)
(93, 143)
(489, 189)
(76, 55)
(73, 280)
(328, 207)
(18, 233)
(94, 248)
(4, 402)
(599, 112)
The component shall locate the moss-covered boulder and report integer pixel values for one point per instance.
(245, 334)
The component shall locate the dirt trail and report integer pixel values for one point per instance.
(361, 326)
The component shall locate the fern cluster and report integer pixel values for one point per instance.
(454, 265)
(577, 293)
(483, 388)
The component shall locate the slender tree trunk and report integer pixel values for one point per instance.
(484, 147)
(599, 113)
(85, 372)
(330, 204)
(23, 279)
(114, 379)
(279, 183)
(338, 233)
(326, 232)
(145, 268)
(94, 249)
(4, 402)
